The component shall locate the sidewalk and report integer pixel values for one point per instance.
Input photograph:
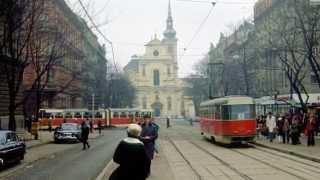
(160, 168)
(301, 150)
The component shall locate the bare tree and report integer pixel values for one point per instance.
(17, 21)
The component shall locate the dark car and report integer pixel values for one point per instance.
(67, 132)
(12, 149)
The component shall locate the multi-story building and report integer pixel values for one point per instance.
(79, 58)
(155, 77)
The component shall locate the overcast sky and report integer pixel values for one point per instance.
(132, 23)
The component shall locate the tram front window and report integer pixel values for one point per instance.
(238, 112)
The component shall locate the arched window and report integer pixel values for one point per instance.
(156, 78)
(168, 70)
(144, 103)
(169, 103)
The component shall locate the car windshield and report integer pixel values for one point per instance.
(68, 127)
(2, 139)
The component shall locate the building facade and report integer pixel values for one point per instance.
(81, 63)
(154, 75)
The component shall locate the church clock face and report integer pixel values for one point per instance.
(156, 53)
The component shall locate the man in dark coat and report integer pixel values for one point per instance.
(148, 136)
(85, 135)
(131, 156)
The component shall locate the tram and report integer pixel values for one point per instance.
(107, 117)
(229, 119)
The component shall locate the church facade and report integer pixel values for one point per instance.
(155, 76)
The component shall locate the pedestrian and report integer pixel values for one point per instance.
(148, 136)
(157, 127)
(285, 130)
(271, 125)
(168, 122)
(85, 135)
(279, 128)
(99, 126)
(91, 126)
(131, 157)
(311, 127)
(50, 124)
(294, 131)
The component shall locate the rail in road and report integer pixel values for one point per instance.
(253, 161)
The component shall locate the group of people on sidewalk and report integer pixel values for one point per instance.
(289, 127)
(135, 153)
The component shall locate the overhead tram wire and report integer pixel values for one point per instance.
(218, 2)
(98, 30)
(198, 30)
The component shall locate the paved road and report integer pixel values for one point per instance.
(74, 163)
(192, 157)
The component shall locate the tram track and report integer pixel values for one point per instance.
(224, 163)
(270, 164)
(286, 156)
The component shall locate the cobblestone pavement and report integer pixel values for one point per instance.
(301, 150)
(190, 157)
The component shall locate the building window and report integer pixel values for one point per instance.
(144, 103)
(169, 70)
(156, 78)
(313, 78)
(144, 70)
(169, 103)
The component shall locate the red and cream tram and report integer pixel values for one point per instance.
(229, 119)
(107, 117)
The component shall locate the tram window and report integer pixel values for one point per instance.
(98, 115)
(48, 115)
(68, 115)
(123, 114)
(238, 112)
(130, 115)
(115, 114)
(226, 112)
(59, 115)
(77, 115)
(217, 111)
(87, 115)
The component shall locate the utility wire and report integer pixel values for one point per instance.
(98, 30)
(198, 31)
(218, 2)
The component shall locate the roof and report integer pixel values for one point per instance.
(153, 42)
(229, 100)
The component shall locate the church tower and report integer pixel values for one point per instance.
(170, 39)
(154, 75)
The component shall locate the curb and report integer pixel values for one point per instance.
(289, 152)
(103, 173)
(38, 145)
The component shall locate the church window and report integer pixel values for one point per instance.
(144, 103)
(156, 78)
(169, 103)
(144, 70)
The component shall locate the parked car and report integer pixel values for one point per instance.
(67, 132)
(12, 149)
